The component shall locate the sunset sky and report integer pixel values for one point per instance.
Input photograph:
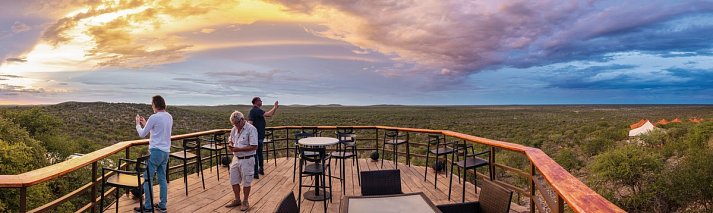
(357, 52)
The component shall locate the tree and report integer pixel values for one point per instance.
(625, 172)
(20, 153)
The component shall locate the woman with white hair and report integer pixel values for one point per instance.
(243, 143)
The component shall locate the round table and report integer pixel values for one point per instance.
(317, 195)
(318, 141)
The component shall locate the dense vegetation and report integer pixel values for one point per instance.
(663, 171)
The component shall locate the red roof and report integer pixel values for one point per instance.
(639, 124)
(677, 120)
(662, 122)
(696, 120)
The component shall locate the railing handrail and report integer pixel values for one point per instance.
(576, 194)
(56, 170)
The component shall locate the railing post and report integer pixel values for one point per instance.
(492, 163)
(287, 148)
(94, 186)
(127, 153)
(532, 187)
(560, 204)
(23, 199)
(376, 141)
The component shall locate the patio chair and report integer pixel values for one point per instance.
(493, 198)
(129, 179)
(288, 204)
(381, 182)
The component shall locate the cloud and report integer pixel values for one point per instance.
(19, 27)
(465, 37)
(20, 60)
(130, 34)
(207, 30)
(246, 74)
(14, 90)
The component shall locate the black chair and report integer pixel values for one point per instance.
(381, 182)
(441, 148)
(270, 140)
(393, 138)
(128, 180)
(470, 161)
(299, 136)
(314, 162)
(492, 199)
(189, 145)
(215, 145)
(288, 204)
(346, 148)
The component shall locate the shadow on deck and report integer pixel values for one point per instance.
(267, 191)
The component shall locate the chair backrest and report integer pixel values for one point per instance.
(494, 198)
(219, 137)
(345, 130)
(381, 182)
(191, 143)
(301, 135)
(346, 137)
(318, 158)
(391, 133)
(142, 163)
(434, 139)
(288, 204)
(268, 132)
(395, 134)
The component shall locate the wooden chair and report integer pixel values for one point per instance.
(128, 180)
(288, 204)
(381, 182)
(492, 199)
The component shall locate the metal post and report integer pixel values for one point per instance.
(93, 198)
(532, 187)
(376, 141)
(23, 199)
(287, 148)
(492, 163)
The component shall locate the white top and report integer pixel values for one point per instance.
(246, 137)
(159, 124)
(647, 127)
(318, 141)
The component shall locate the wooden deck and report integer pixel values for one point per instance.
(267, 191)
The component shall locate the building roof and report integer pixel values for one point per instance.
(696, 120)
(638, 124)
(676, 120)
(662, 122)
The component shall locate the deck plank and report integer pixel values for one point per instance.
(267, 191)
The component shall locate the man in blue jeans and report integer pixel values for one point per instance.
(159, 125)
(257, 119)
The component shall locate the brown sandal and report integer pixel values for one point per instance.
(233, 204)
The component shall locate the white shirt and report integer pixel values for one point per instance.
(247, 137)
(159, 124)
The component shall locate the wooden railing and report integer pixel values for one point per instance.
(558, 188)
